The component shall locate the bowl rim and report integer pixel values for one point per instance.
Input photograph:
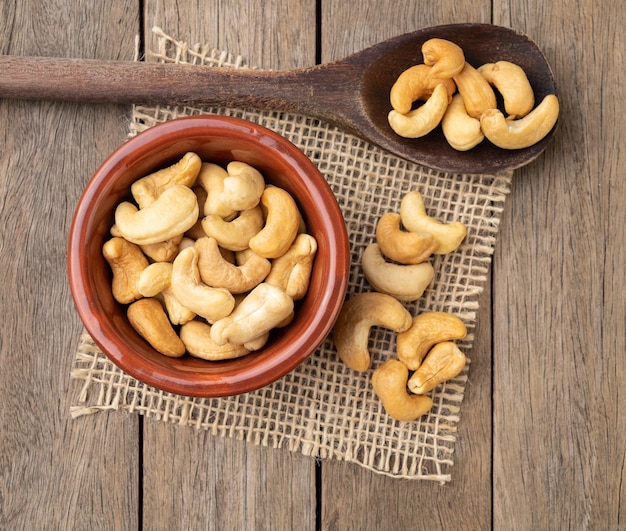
(164, 376)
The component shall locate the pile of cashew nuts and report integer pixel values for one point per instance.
(397, 267)
(462, 99)
(208, 259)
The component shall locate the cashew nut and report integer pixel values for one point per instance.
(196, 335)
(424, 119)
(217, 272)
(163, 251)
(415, 84)
(413, 213)
(446, 58)
(524, 132)
(211, 179)
(404, 282)
(281, 224)
(148, 318)
(287, 320)
(444, 362)
(147, 189)
(389, 382)
(196, 231)
(157, 279)
(127, 262)
(403, 246)
(427, 329)
(171, 214)
(234, 235)
(258, 342)
(243, 187)
(477, 93)
(262, 309)
(512, 83)
(187, 242)
(461, 130)
(205, 301)
(358, 315)
(292, 271)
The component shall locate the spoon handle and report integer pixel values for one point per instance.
(324, 91)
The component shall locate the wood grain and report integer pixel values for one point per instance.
(352, 498)
(279, 34)
(54, 471)
(541, 440)
(228, 484)
(559, 370)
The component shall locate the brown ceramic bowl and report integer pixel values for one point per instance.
(220, 140)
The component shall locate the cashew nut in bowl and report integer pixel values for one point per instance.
(157, 279)
(187, 242)
(217, 272)
(262, 309)
(403, 246)
(446, 58)
(414, 217)
(196, 335)
(281, 224)
(171, 214)
(444, 362)
(524, 132)
(416, 84)
(292, 271)
(147, 189)
(148, 318)
(205, 301)
(426, 330)
(211, 180)
(234, 235)
(286, 321)
(163, 251)
(512, 83)
(389, 381)
(424, 119)
(243, 187)
(478, 96)
(127, 262)
(404, 282)
(115, 232)
(461, 130)
(196, 231)
(258, 342)
(358, 315)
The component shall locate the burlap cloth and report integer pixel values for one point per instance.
(323, 409)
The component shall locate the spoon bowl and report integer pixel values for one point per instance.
(352, 93)
(481, 43)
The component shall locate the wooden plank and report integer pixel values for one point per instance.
(352, 498)
(559, 325)
(193, 479)
(277, 34)
(54, 471)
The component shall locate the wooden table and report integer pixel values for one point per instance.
(541, 441)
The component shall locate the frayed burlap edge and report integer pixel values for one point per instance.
(323, 409)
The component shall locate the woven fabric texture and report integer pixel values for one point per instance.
(323, 409)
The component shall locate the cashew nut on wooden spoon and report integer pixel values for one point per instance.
(352, 93)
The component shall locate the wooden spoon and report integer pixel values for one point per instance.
(352, 94)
